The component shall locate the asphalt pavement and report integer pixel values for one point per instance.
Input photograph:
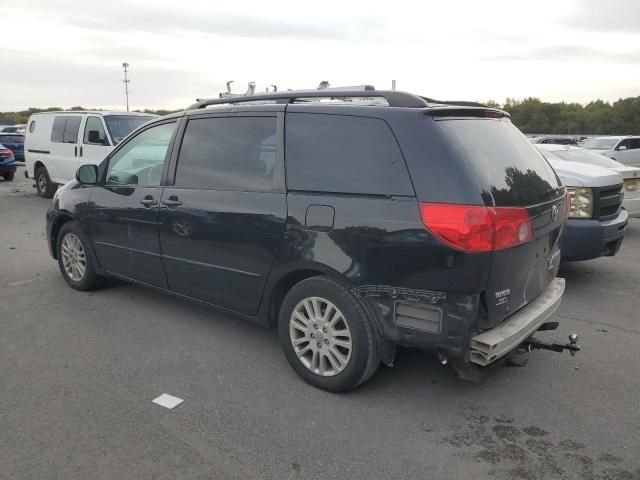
(79, 371)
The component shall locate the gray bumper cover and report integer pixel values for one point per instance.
(489, 346)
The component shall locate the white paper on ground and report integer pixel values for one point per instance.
(167, 401)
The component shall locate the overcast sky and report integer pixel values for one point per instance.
(65, 53)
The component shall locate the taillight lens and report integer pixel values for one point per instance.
(474, 228)
(6, 153)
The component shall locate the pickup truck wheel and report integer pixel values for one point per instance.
(8, 176)
(75, 259)
(326, 335)
(43, 183)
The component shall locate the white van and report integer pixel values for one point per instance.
(57, 143)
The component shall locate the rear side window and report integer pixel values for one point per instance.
(344, 154)
(65, 129)
(508, 169)
(228, 153)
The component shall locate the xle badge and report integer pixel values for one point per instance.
(502, 297)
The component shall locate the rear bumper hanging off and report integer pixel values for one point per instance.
(493, 344)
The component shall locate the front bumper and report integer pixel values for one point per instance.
(585, 239)
(493, 344)
(632, 206)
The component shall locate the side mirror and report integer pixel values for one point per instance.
(621, 147)
(87, 175)
(94, 137)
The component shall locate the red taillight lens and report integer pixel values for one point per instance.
(476, 228)
(6, 153)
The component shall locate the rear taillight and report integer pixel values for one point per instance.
(6, 153)
(474, 228)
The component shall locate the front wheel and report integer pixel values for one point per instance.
(326, 335)
(74, 258)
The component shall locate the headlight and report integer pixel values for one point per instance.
(581, 202)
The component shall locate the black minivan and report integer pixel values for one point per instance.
(352, 222)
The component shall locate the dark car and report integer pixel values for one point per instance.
(7, 163)
(556, 140)
(15, 143)
(352, 225)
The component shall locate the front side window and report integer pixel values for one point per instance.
(623, 143)
(140, 161)
(228, 153)
(634, 143)
(94, 133)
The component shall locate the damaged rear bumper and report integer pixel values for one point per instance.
(493, 344)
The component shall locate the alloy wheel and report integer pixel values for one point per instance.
(74, 258)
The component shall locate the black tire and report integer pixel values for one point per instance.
(90, 279)
(365, 356)
(9, 176)
(45, 188)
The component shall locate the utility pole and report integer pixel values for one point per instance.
(126, 81)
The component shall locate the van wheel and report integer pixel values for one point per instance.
(8, 176)
(326, 335)
(43, 183)
(75, 259)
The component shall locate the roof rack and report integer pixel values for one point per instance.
(393, 98)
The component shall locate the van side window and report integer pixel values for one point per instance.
(228, 153)
(65, 129)
(323, 152)
(634, 143)
(94, 133)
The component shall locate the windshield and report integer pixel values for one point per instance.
(584, 156)
(600, 143)
(120, 126)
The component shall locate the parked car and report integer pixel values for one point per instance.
(57, 143)
(15, 143)
(352, 227)
(555, 140)
(630, 175)
(13, 129)
(7, 163)
(597, 222)
(625, 149)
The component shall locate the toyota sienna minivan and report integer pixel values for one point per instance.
(350, 222)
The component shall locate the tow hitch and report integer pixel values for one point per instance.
(572, 346)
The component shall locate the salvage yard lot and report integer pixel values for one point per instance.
(78, 372)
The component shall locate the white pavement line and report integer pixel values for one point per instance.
(22, 282)
(167, 401)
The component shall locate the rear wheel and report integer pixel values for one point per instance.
(326, 335)
(8, 176)
(43, 183)
(75, 259)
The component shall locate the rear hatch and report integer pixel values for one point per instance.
(510, 172)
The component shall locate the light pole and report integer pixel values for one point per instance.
(126, 81)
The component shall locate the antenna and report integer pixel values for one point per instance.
(126, 81)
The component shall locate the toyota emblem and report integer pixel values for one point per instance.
(554, 213)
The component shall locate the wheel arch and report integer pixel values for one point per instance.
(62, 218)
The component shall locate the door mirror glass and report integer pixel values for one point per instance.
(94, 137)
(87, 175)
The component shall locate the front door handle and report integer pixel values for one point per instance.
(172, 201)
(149, 201)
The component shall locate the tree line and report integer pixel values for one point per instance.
(531, 115)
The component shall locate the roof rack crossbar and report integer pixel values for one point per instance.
(393, 98)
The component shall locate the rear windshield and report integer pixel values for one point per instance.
(122, 125)
(508, 169)
(11, 138)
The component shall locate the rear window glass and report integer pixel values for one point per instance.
(11, 138)
(344, 154)
(65, 129)
(508, 169)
